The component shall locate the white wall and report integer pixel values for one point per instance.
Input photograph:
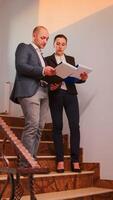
(94, 47)
(17, 19)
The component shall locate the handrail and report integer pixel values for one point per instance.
(16, 189)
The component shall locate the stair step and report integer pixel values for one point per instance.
(44, 147)
(13, 121)
(18, 121)
(50, 162)
(53, 181)
(73, 194)
(52, 174)
(44, 161)
(46, 132)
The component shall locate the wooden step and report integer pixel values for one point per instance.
(45, 148)
(19, 121)
(50, 162)
(55, 181)
(13, 121)
(90, 193)
(46, 134)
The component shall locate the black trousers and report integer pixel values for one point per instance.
(57, 101)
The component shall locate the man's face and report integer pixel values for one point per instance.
(41, 37)
(60, 46)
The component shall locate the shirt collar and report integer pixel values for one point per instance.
(35, 46)
(59, 58)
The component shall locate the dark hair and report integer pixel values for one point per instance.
(60, 36)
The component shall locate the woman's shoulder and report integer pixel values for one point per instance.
(68, 56)
(70, 59)
(49, 57)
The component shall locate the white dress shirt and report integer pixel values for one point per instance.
(39, 54)
(60, 59)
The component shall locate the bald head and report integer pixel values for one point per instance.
(39, 28)
(40, 36)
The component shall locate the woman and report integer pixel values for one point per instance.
(64, 95)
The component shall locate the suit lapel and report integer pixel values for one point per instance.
(67, 59)
(53, 60)
(34, 51)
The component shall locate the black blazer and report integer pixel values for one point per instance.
(28, 72)
(50, 60)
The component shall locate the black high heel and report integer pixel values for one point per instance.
(77, 170)
(60, 170)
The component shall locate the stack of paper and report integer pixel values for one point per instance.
(65, 70)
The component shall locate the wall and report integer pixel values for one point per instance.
(94, 45)
(17, 19)
(59, 14)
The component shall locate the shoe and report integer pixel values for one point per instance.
(73, 169)
(60, 169)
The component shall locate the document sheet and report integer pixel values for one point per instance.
(65, 70)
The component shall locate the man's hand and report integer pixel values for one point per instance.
(84, 76)
(49, 71)
(54, 86)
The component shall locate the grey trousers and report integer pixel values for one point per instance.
(35, 111)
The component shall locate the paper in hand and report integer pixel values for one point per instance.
(65, 70)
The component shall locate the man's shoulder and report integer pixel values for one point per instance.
(23, 47)
(22, 44)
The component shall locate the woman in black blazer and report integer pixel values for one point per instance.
(64, 95)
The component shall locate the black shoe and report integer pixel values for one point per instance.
(77, 170)
(60, 170)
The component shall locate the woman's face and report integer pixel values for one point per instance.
(60, 45)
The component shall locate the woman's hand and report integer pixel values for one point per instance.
(84, 76)
(54, 86)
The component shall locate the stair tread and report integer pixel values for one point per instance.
(63, 195)
(53, 174)
(10, 116)
(42, 141)
(21, 128)
(43, 156)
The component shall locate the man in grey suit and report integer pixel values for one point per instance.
(30, 90)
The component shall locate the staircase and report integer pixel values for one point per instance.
(54, 186)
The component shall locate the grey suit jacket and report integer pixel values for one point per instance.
(28, 72)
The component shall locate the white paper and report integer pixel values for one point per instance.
(65, 70)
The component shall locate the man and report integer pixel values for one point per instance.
(29, 90)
